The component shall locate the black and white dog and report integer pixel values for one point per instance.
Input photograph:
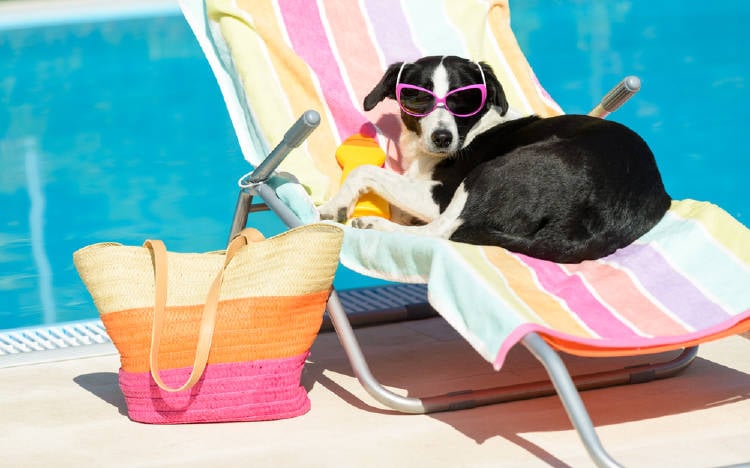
(567, 188)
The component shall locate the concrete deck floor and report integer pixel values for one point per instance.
(71, 413)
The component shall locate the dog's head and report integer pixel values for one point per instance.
(442, 99)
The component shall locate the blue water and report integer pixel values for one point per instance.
(116, 130)
(108, 131)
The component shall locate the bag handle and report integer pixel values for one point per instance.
(208, 319)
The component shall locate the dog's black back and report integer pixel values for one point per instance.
(566, 188)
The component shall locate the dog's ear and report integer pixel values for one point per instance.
(495, 93)
(386, 88)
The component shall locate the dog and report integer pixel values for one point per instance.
(566, 188)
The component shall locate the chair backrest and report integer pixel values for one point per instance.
(283, 57)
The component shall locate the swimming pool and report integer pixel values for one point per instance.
(113, 128)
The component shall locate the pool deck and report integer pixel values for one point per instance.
(71, 413)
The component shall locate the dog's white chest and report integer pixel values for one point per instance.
(421, 168)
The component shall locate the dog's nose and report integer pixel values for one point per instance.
(442, 138)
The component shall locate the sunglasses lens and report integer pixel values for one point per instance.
(416, 101)
(465, 101)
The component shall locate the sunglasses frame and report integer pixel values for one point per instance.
(438, 99)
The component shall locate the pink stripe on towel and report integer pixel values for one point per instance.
(579, 299)
(311, 42)
(618, 290)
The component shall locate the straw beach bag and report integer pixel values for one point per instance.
(220, 336)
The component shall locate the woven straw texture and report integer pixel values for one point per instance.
(243, 391)
(270, 309)
(121, 277)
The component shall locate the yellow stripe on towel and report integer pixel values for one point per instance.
(280, 87)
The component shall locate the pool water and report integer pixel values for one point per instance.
(115, 129)
(108, 131)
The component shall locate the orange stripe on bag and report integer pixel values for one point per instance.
(246, 329)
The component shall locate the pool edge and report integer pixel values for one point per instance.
(38, 13)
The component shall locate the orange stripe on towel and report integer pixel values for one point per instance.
(499, 19)
(357, 57)
(597, 349)
(246, 329)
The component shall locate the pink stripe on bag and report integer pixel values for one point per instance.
(242, 391)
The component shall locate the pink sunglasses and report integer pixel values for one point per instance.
(460, 102)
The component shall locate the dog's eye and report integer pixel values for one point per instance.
(465, 101)
(416, 100)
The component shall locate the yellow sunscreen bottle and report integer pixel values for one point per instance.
(355, 151)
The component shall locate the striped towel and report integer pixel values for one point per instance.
(686, 281)
(283, 57)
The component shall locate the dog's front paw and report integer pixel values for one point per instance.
(363, 222)
(372, 222)
(333, 212)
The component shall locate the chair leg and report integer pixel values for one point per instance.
(241, 211)
(570, 397)
(359, 364)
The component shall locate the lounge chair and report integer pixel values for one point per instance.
(683, 283)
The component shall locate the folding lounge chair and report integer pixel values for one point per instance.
(683, 283)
